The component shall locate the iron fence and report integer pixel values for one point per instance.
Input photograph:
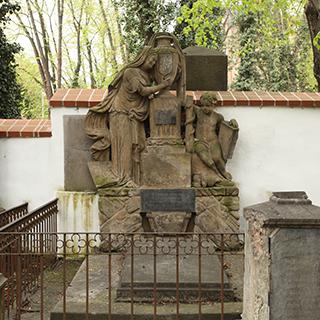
(13, 214)
(137, 276)
(21, 255)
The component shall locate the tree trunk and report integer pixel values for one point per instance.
(113, 59)
(59, 56)
(312, 11)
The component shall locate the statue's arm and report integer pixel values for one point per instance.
(148, 90)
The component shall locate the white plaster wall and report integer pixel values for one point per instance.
(26, 172)
(278, 149)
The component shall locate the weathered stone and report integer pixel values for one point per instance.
(213, 217)
(108, 206)
(232, 203)
(76, 155)
(282, 258)
(217, 191)
(294, 272)
(118, 192)
(171, 169)
(122, 222)
(207, 69)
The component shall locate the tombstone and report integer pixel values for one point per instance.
(156, 171)
(207, 69)
(188, 154)
(282, 259)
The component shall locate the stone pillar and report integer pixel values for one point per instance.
(282, 259)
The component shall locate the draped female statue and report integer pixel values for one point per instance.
(117, 122)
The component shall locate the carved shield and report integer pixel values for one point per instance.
(165, 64)
(228, 137)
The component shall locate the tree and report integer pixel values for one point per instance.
(312, 11)
(202, 23)
(10, 91)
(140, 19)
(34, 105)
(267, 41)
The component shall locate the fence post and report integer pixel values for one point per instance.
(3, 282)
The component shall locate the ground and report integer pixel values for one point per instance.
(53, 289)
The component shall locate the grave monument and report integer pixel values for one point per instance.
(153, 148)
(159, 165)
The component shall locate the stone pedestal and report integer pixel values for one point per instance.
(166, 166)
(119, 210)
(282, 259)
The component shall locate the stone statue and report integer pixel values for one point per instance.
(176, 154)
(213, 144)
(126, 107)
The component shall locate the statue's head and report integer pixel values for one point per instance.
(208, 99)
(150, 60)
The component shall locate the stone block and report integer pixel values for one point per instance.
(76, 155)
(294, 277)
(166, 167)
(207, 69)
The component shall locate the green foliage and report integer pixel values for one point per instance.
(10, 91)
(270, 40)
(274, 49)
(34, 105)
(202, 22)
(140, 19)
(316, 41)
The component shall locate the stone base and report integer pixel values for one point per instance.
(166, 167)
(143, 276)
(119, 210)
(217, 211)
(98, 299)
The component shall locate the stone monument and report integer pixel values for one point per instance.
(149, 137)
(282, 259)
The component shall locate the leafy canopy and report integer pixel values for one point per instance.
(10, 91)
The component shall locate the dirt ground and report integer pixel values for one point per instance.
(53, 289)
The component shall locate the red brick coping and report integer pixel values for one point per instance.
(84, 98)
(20, 128)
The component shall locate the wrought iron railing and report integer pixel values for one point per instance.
(21, 255)
(147, 275)
(13, 214)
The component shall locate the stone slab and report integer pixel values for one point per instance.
(207, 69)
(76, 155)
(295, 264)
(166, 277)
(166, 169)
(98, 298)
(180, 200)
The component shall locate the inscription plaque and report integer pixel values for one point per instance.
(295, 265)
(166, 117)
(180, 200)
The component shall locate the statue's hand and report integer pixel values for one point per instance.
(234, 123)
(166, 82)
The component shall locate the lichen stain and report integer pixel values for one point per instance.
(86, 203)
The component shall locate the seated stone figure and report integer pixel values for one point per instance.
(210, 151)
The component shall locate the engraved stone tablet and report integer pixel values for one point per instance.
(166, 117)
(295, 265)
(181, 200)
